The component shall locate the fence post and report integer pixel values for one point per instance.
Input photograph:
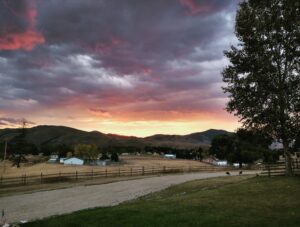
(25, 179)
(76, 175)
(119, 172)
(41, 177)
(106, 172)
(60, 176)
(92, 173)
(143, 170)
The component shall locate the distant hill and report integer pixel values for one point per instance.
(54, 135)
(198, 138)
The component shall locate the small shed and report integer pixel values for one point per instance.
(73, 161)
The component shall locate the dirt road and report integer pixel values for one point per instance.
(43, 204)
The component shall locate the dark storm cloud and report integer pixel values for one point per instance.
(114, 51)
(12, 16)
(131, 35)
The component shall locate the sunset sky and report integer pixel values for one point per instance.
(131, 67)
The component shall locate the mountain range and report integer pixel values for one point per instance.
(54, 135)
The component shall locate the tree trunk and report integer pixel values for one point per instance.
(288, 159)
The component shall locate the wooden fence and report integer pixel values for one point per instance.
(275, 169)
(278, 169)
(105, 173)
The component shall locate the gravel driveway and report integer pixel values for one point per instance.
(43, 204)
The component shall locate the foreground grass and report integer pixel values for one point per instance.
(231, 201)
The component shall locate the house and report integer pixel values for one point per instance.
(73, 161)
(170, 156)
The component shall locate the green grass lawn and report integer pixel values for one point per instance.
(226, 201)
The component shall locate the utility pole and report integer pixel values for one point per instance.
(4, 158)
(8, 136)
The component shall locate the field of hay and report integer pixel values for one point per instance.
(126, 162)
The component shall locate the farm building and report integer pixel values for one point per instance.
(73, 161)
(220, 162)
(170, 156)
(53, 159)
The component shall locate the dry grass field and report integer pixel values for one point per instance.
(126, 162)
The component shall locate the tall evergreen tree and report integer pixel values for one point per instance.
(263, 80)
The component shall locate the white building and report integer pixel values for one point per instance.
(73, 161)
(220, 162)
(171, 156)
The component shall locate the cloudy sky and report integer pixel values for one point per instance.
(128, 67)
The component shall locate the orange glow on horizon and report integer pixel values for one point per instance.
(139, 128)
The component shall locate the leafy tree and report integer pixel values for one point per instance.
(200, 153)
(86, 151)
(222, 146)
(17, 159)
(254, 137)
(114, 157)
(243, 147)
(263, 79)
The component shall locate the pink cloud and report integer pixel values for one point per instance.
(26, 40)
(99, 112)
(194, 7)
(14, 39)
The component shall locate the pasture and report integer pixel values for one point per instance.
(126, 162)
